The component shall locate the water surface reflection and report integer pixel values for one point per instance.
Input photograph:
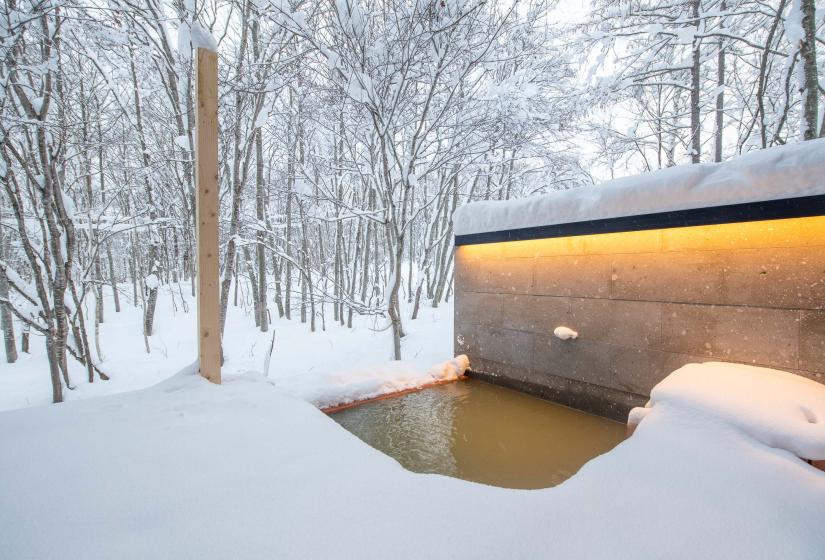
(482, 432)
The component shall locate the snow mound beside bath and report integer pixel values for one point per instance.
(790, 171)
(778, 409)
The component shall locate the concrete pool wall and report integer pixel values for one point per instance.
(643, 303)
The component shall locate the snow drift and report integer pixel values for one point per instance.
(779, 409)
(187, 469)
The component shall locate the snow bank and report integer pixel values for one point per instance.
(366, 382)
(187, 469)
(788, 171)
(778, 409)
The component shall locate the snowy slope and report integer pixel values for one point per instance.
(787, 171)
(186, 469)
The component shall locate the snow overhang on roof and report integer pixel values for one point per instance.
(782, 182)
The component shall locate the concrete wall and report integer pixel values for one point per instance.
(644, 304)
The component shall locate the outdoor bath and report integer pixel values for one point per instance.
(481, 432)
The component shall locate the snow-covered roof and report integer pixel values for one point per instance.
(790, 171)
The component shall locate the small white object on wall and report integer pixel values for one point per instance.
(565, 333)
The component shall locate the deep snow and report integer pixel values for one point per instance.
(789, 171)
(326, 367)
(187, 469)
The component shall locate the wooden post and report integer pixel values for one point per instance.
(206, 211)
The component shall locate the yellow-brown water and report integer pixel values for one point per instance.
(484, 433)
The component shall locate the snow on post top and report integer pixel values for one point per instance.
(202, 38)
(789, 171)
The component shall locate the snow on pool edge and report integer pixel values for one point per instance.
(367, 382)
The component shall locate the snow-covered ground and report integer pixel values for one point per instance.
(326, 367)
(186, 469)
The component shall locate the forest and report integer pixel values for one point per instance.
(350, 131)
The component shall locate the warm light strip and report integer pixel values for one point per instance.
(789, 232)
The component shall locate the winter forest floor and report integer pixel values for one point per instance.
(326, 367)
(249, 469)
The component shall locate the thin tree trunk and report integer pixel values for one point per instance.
(287, 244)
(279, 301)
(695, 90)
(253, 284)
(447, 247)
(365, 273)
(149, 316)
(323, 260)
(54, 368)
(392, 305)
(763, 73)
(304, 264)
(260, 249)
(237, 179)
(808, 84)
(235, 281)
(306, 275)
(410, 267)
(336, 271)
(133, 274)
(260, 194)
(24, 338)
(5, 313)
(356, 255)
(113, 277)
(720, 95)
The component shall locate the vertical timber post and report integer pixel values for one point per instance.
(206, 210)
